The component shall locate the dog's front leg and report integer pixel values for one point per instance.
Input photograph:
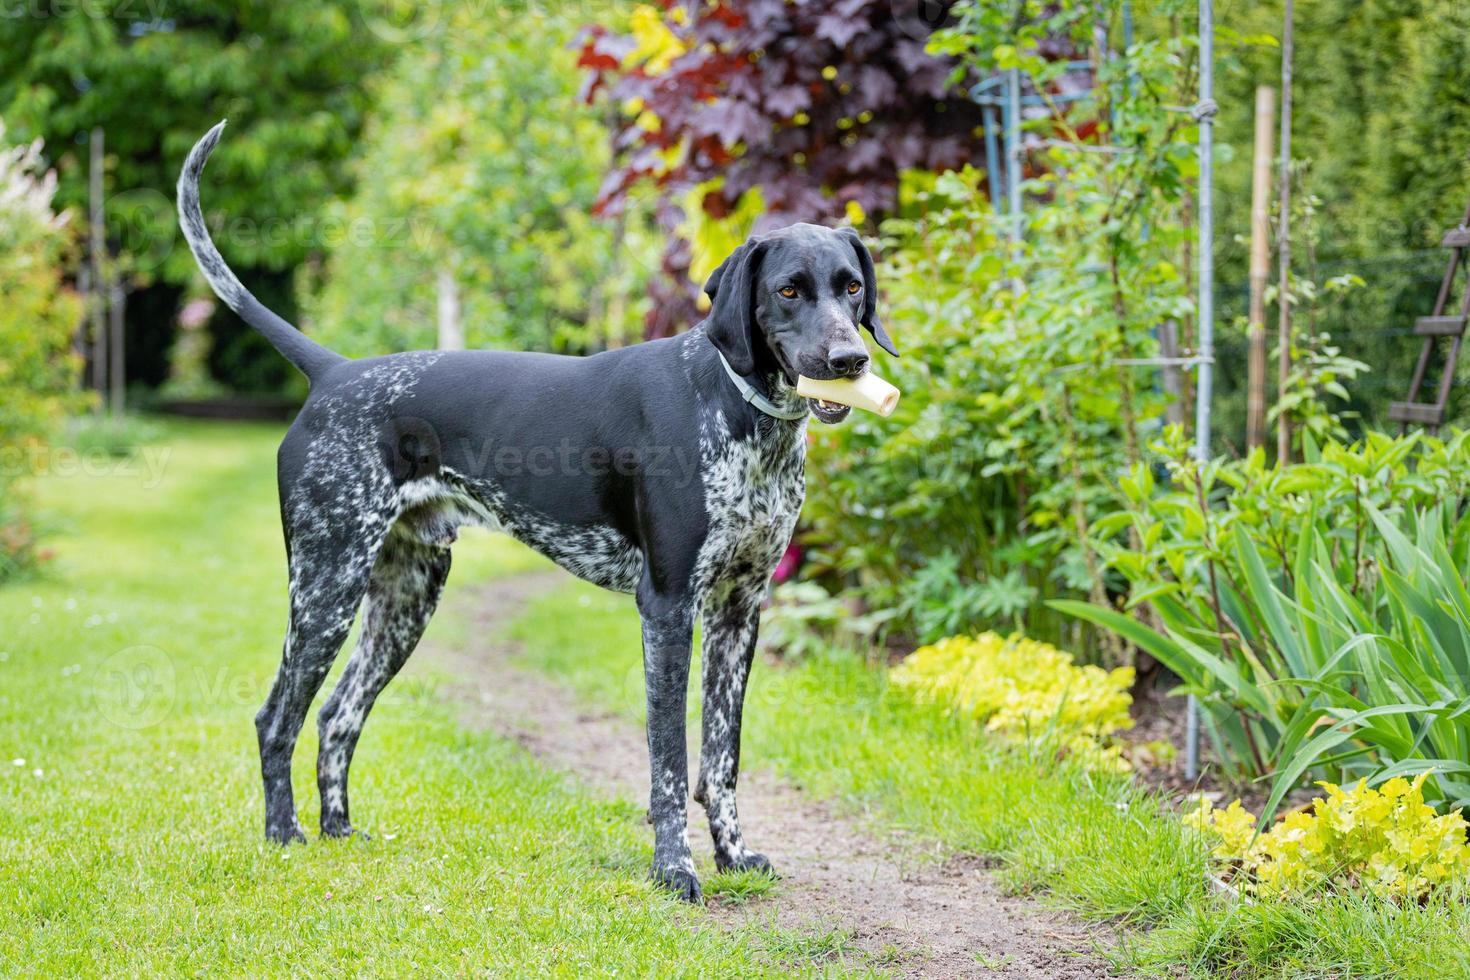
(668, 630)
(731, 618)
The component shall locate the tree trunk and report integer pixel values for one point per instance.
(96, 247)
(116, 308)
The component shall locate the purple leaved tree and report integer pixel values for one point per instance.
(818, 105)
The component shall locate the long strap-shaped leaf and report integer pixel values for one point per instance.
(1188, 660)
(1303, 759)
(1267, 600)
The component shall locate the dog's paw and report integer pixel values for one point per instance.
(748, 861)
(683, 883)
(341, 829)
(285, 832)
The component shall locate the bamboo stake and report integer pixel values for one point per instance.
(1283, 245)
(1255, 426)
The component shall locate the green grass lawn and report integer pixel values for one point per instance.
(130, 805)
(130, 810)
(1096, 845)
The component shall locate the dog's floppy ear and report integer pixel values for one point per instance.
(870, 292)
(732, 305)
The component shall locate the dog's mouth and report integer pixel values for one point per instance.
(828, 412)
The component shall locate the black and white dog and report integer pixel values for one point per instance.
(671, 469)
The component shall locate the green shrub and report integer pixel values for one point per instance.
(118, 436)
(1176, 540)
(804, 620)
(1023, 399)
(1015, 418)
(38, 316)
(20, 538)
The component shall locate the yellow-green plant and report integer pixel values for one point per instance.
(1022, 687)
(1387, 840)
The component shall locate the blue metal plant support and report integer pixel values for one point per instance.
(1001, 102)
(1204, 112)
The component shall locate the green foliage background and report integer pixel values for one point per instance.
(482, 159)
(289, 76)
(1382, 112)
(1021, 403)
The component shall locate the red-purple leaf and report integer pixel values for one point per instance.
(750, 68)
(838, 29)
(788, 100)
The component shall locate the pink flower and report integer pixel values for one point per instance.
(787, 566)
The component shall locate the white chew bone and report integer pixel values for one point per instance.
(869, 392)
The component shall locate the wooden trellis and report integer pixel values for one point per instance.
(1432, 328)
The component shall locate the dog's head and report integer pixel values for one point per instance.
(791, 302)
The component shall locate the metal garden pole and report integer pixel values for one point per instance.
(1013, 150)
(992, 156)
(1204, 113)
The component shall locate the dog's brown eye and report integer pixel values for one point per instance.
(854, 287)
(788, 291)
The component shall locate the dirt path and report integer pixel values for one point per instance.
(906, 908)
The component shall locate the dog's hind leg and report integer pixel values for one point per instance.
(406, 583)
(730, 620)
(331, 560)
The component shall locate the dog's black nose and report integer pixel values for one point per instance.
(848, 362)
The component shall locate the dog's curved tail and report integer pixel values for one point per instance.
(310, 357)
